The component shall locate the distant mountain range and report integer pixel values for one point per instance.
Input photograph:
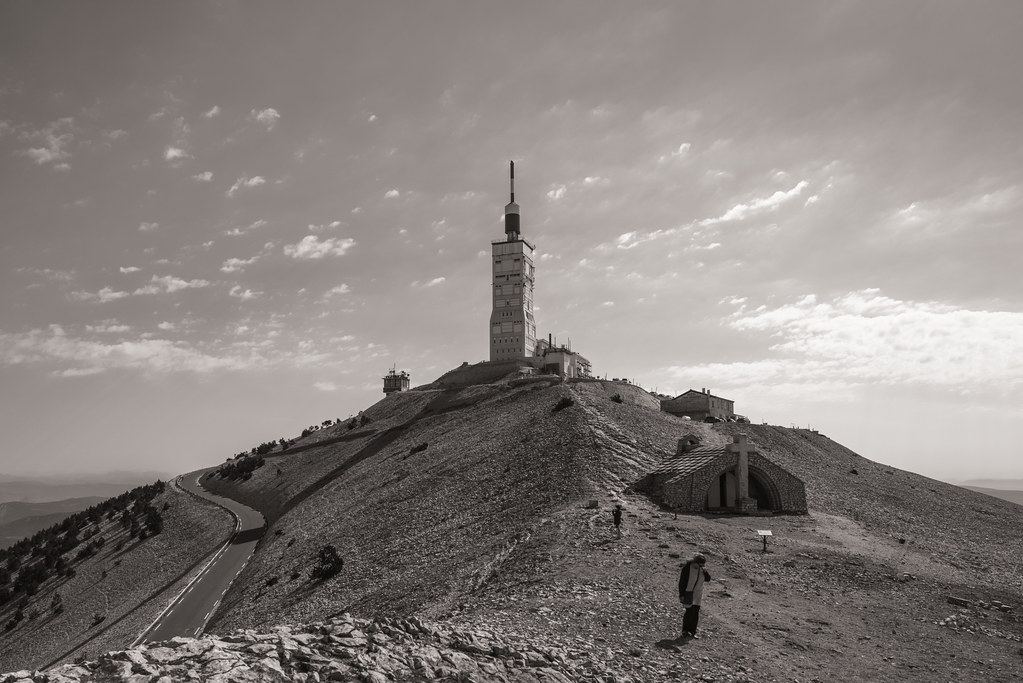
(49, 489)
(31, 504)
(20, 520)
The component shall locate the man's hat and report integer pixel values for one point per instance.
(699, 558)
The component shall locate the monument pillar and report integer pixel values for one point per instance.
(742, 449)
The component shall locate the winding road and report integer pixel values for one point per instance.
(190, 611)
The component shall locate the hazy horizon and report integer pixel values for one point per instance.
(224, 222)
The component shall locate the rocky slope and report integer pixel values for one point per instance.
(485, 511)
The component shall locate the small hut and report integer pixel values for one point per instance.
(732, 478)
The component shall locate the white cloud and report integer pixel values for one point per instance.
(130, 269)
(148, 227)
(54, 140)
(557, 193)
(243, 294)
(246, 182)
(325, 386)
(741, 211)
(167, 326)
(108, 327)
(90, 356)
(430, 283)
(103, 296)
(372, 118)
(268, 117)
(174, 153)
(340, 289)
(596, 181)
(204, 177)
(235, 265)
(866, 338)
(311, 247)
(115, 134)
(255, 225)
(214, 111)
(391, 194)
(168, 284)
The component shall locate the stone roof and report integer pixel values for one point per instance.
(690, 461)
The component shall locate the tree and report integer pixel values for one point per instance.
(329, 563)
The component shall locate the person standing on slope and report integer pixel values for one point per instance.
(690, 593)
(616, 517)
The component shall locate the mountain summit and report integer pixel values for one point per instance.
(485, 507)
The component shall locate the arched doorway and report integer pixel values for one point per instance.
(722, 492)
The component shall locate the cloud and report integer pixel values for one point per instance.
(148, 227)
(238, 232)
(939, 218)
(108, 327)
(340, 289)
(168, 284)
(76, 372)
(557, 193)
(91, 356)
(268, 117)
(391, 194)
(115, 134)
(166, 326)
(174, 153)
(214, 111)
(235, 265)
(53, 140)
(864, 338)
(130, 269)
(325, 386)
(431, 283)
(49, 273)
(103, 296)
(243, 294)
(311, 247)
(204, 177)
(327, 226)
(372, 118)
(741, 211)
(246, 182)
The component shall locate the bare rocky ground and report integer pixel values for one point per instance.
(487, 534)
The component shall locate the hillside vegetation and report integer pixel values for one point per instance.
(93, 582)
(484, 509)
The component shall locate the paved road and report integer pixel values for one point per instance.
(189, 613)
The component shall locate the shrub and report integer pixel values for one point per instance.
(272, 581)
(363, 421)
(418, 449)
(617, 398)
(329, 563)
(563, 403)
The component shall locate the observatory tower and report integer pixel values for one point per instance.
(512, 329)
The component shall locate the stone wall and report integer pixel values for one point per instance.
(699, 406)
(688, 493)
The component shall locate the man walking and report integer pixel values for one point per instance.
(690, 593)
(616, 516)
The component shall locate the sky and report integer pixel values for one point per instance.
(222, 222)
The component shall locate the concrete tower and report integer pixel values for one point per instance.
(512, 330)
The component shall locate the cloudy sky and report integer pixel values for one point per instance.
(222, 222)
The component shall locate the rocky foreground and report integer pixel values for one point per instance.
(342, 649)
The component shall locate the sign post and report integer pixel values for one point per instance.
(763, 534)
